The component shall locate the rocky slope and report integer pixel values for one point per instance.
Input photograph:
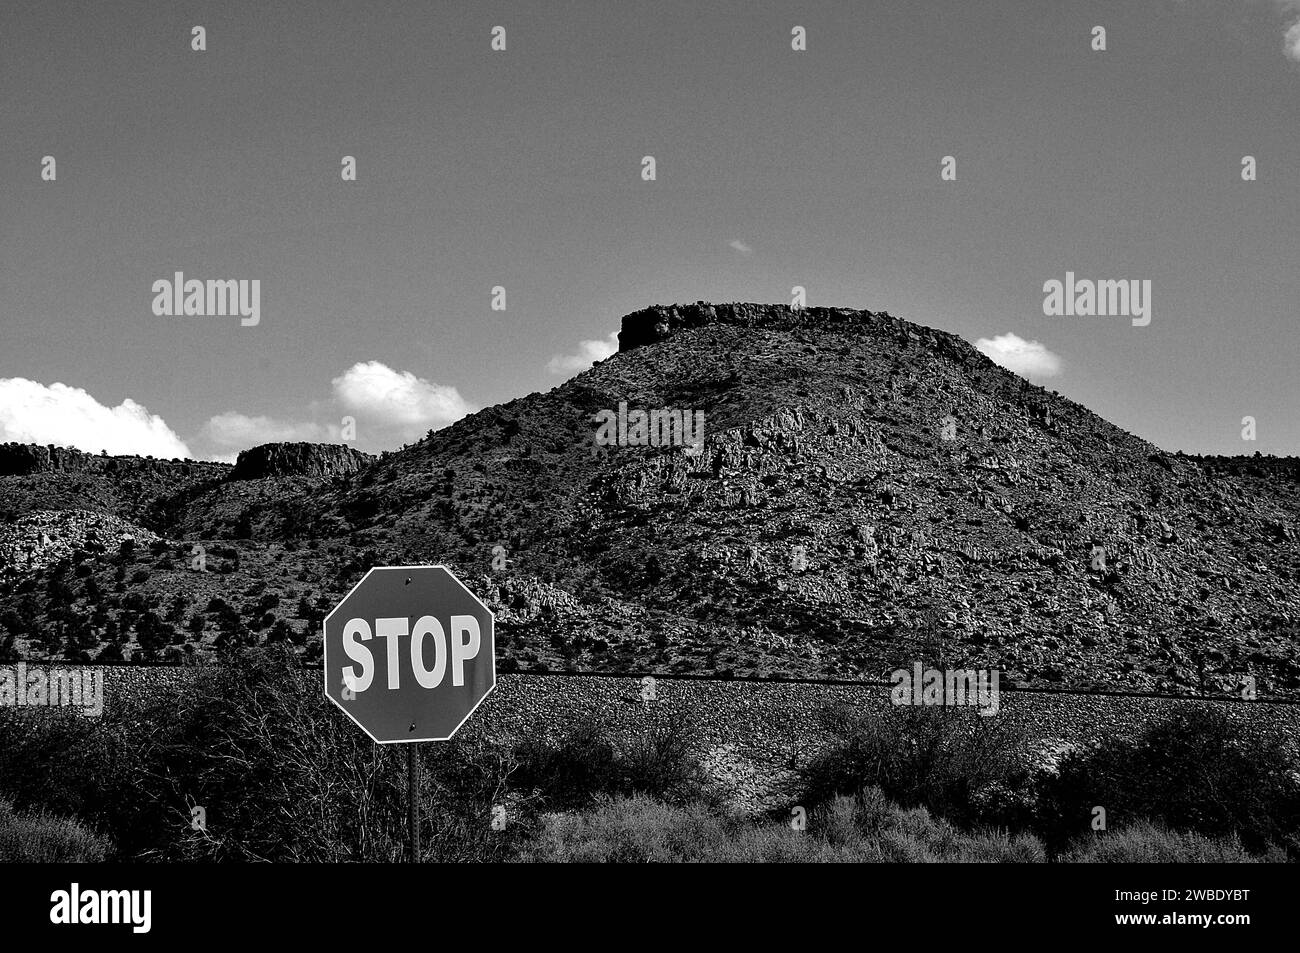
(869, 492)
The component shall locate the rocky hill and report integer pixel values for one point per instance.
(869, 492)
(34, 478)
(298, 459)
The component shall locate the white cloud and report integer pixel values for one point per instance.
(388, 407)
(376, 393)
(65, 416)
(236, 431)
(740, 247)
(1291, 37)
(1291, 41)
(1026, 358)
(588, 353)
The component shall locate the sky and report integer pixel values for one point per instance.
(522, 169)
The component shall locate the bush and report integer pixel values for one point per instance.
(280, 632)
(281, 773)
(1147, 843)
(659, 759)
(285, 776)
(60, 762)
(963, 766)
(1196, 771)
(636, 830)
(895, 835)
(868, 829)
(46, 839)
(571, 771)
(588, 762)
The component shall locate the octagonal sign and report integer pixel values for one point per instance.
(409, 654)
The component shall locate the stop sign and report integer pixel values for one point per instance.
(409, 654)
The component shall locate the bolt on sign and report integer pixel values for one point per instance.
(409, 654)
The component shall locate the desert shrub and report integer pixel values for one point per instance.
(640, 829)
(285, 776)
(965, 767)
(572, 770)
(1147, 843)
(1195, 771)
(281, 774)
(61, 763)
(281, 631)
(42, 838)
(891, 834)
(589, 761)
(659, 758)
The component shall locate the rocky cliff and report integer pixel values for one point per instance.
(661, 322)
(298, 459)
(22, 459)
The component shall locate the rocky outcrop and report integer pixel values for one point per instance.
(21, 459)
(660, 322)
(25, 459)
(37, 540)
(1257, 465)
(298, 459)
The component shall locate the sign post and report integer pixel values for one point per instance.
(409, 655)
(413, 803)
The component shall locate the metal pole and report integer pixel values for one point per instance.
(413, 802)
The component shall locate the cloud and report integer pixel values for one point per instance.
(588, 353)
(399, 400)
(1291, 41)
(1290, 9)
(387, 406)
(65, 416)
(740, 247)
(1026, 358)
(236, 431)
